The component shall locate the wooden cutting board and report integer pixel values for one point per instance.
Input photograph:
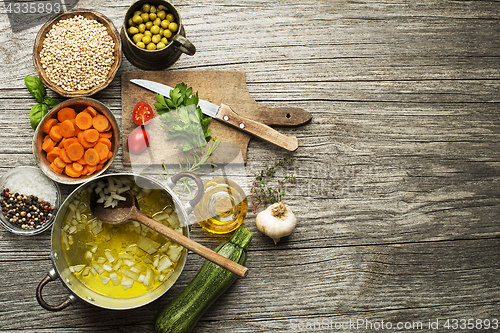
(228, 87)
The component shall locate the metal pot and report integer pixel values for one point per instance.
(77, 289)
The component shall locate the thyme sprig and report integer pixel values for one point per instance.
(263, 193)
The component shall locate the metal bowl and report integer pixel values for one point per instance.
(89, 14)
(78, 104)
(78, 290)
(18, 180)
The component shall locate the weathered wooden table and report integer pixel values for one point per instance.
(398, 173)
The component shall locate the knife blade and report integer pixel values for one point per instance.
(225, 114)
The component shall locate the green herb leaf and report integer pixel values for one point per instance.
(35, 87)
(37, 112)
(50, 102)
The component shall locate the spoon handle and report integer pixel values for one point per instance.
(190, 244)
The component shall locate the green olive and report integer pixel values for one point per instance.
(141, 45)
(146, 40)
(164, 40)
(157, 21)
(145, 17)
(149, 25)
(164, 24)
(145, 8)
(137, 38)
(160, 45)
(155, 29)
(137, 12)
(152, 9)
(142, 28)
(133, 30)
(172, 27)
(156, 39)
(167, 33)
(131, 23)
(151, 46)
(170, 17)
(137, 19)
(148, 33)
(161, 14)
(152, 16)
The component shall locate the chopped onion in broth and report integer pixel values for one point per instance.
(123, 260)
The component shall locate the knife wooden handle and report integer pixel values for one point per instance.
(228, 116)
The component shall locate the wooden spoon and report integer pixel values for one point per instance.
(129, 210)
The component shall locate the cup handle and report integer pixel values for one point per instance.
(183, 44)
(52, 276)
(199, 183)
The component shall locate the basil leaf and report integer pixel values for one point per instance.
(50, 102)
(37, 112)
(35, 87)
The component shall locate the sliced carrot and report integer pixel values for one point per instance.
(83, 142)
(91, 169)
(46, 137)
(75, 151)
(58, 162)
(99, 166)
(66, 113)
(83, 120)
(70, 171)
(85, 170)
(51, 155)
(69, 141)
(55, 133)
(106, 135)
(107, 142)
(110, 154)
(91, 111)
(48, 125)
(108, 128)
(102, 150)
(100, 123)
(82, 161)
(67, 128)
(56, 169)
(64, 156)
(91, 135)
(92, 156)
(48, 145)
(77, 167)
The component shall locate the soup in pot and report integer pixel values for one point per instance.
(120, 260)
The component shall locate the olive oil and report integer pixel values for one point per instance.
(223, 207)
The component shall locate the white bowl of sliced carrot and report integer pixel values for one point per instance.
(76, 141)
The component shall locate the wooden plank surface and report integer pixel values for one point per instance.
(398, 172)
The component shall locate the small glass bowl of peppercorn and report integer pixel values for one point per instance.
(28, 201)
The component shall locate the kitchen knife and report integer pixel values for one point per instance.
(226, 115)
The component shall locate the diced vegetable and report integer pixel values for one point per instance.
(147, 245)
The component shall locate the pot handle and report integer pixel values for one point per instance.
(201, 188)
(51, 276)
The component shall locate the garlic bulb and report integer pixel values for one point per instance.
(276, 221)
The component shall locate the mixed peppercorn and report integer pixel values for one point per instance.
(25, 211)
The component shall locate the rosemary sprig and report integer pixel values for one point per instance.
(184, 187)
(262, 193)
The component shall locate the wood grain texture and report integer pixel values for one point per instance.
(398, 172)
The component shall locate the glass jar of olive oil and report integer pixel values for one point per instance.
(223, 207)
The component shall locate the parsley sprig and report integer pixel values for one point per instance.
(186, 121)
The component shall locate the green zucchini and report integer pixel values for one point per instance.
(181, 314)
